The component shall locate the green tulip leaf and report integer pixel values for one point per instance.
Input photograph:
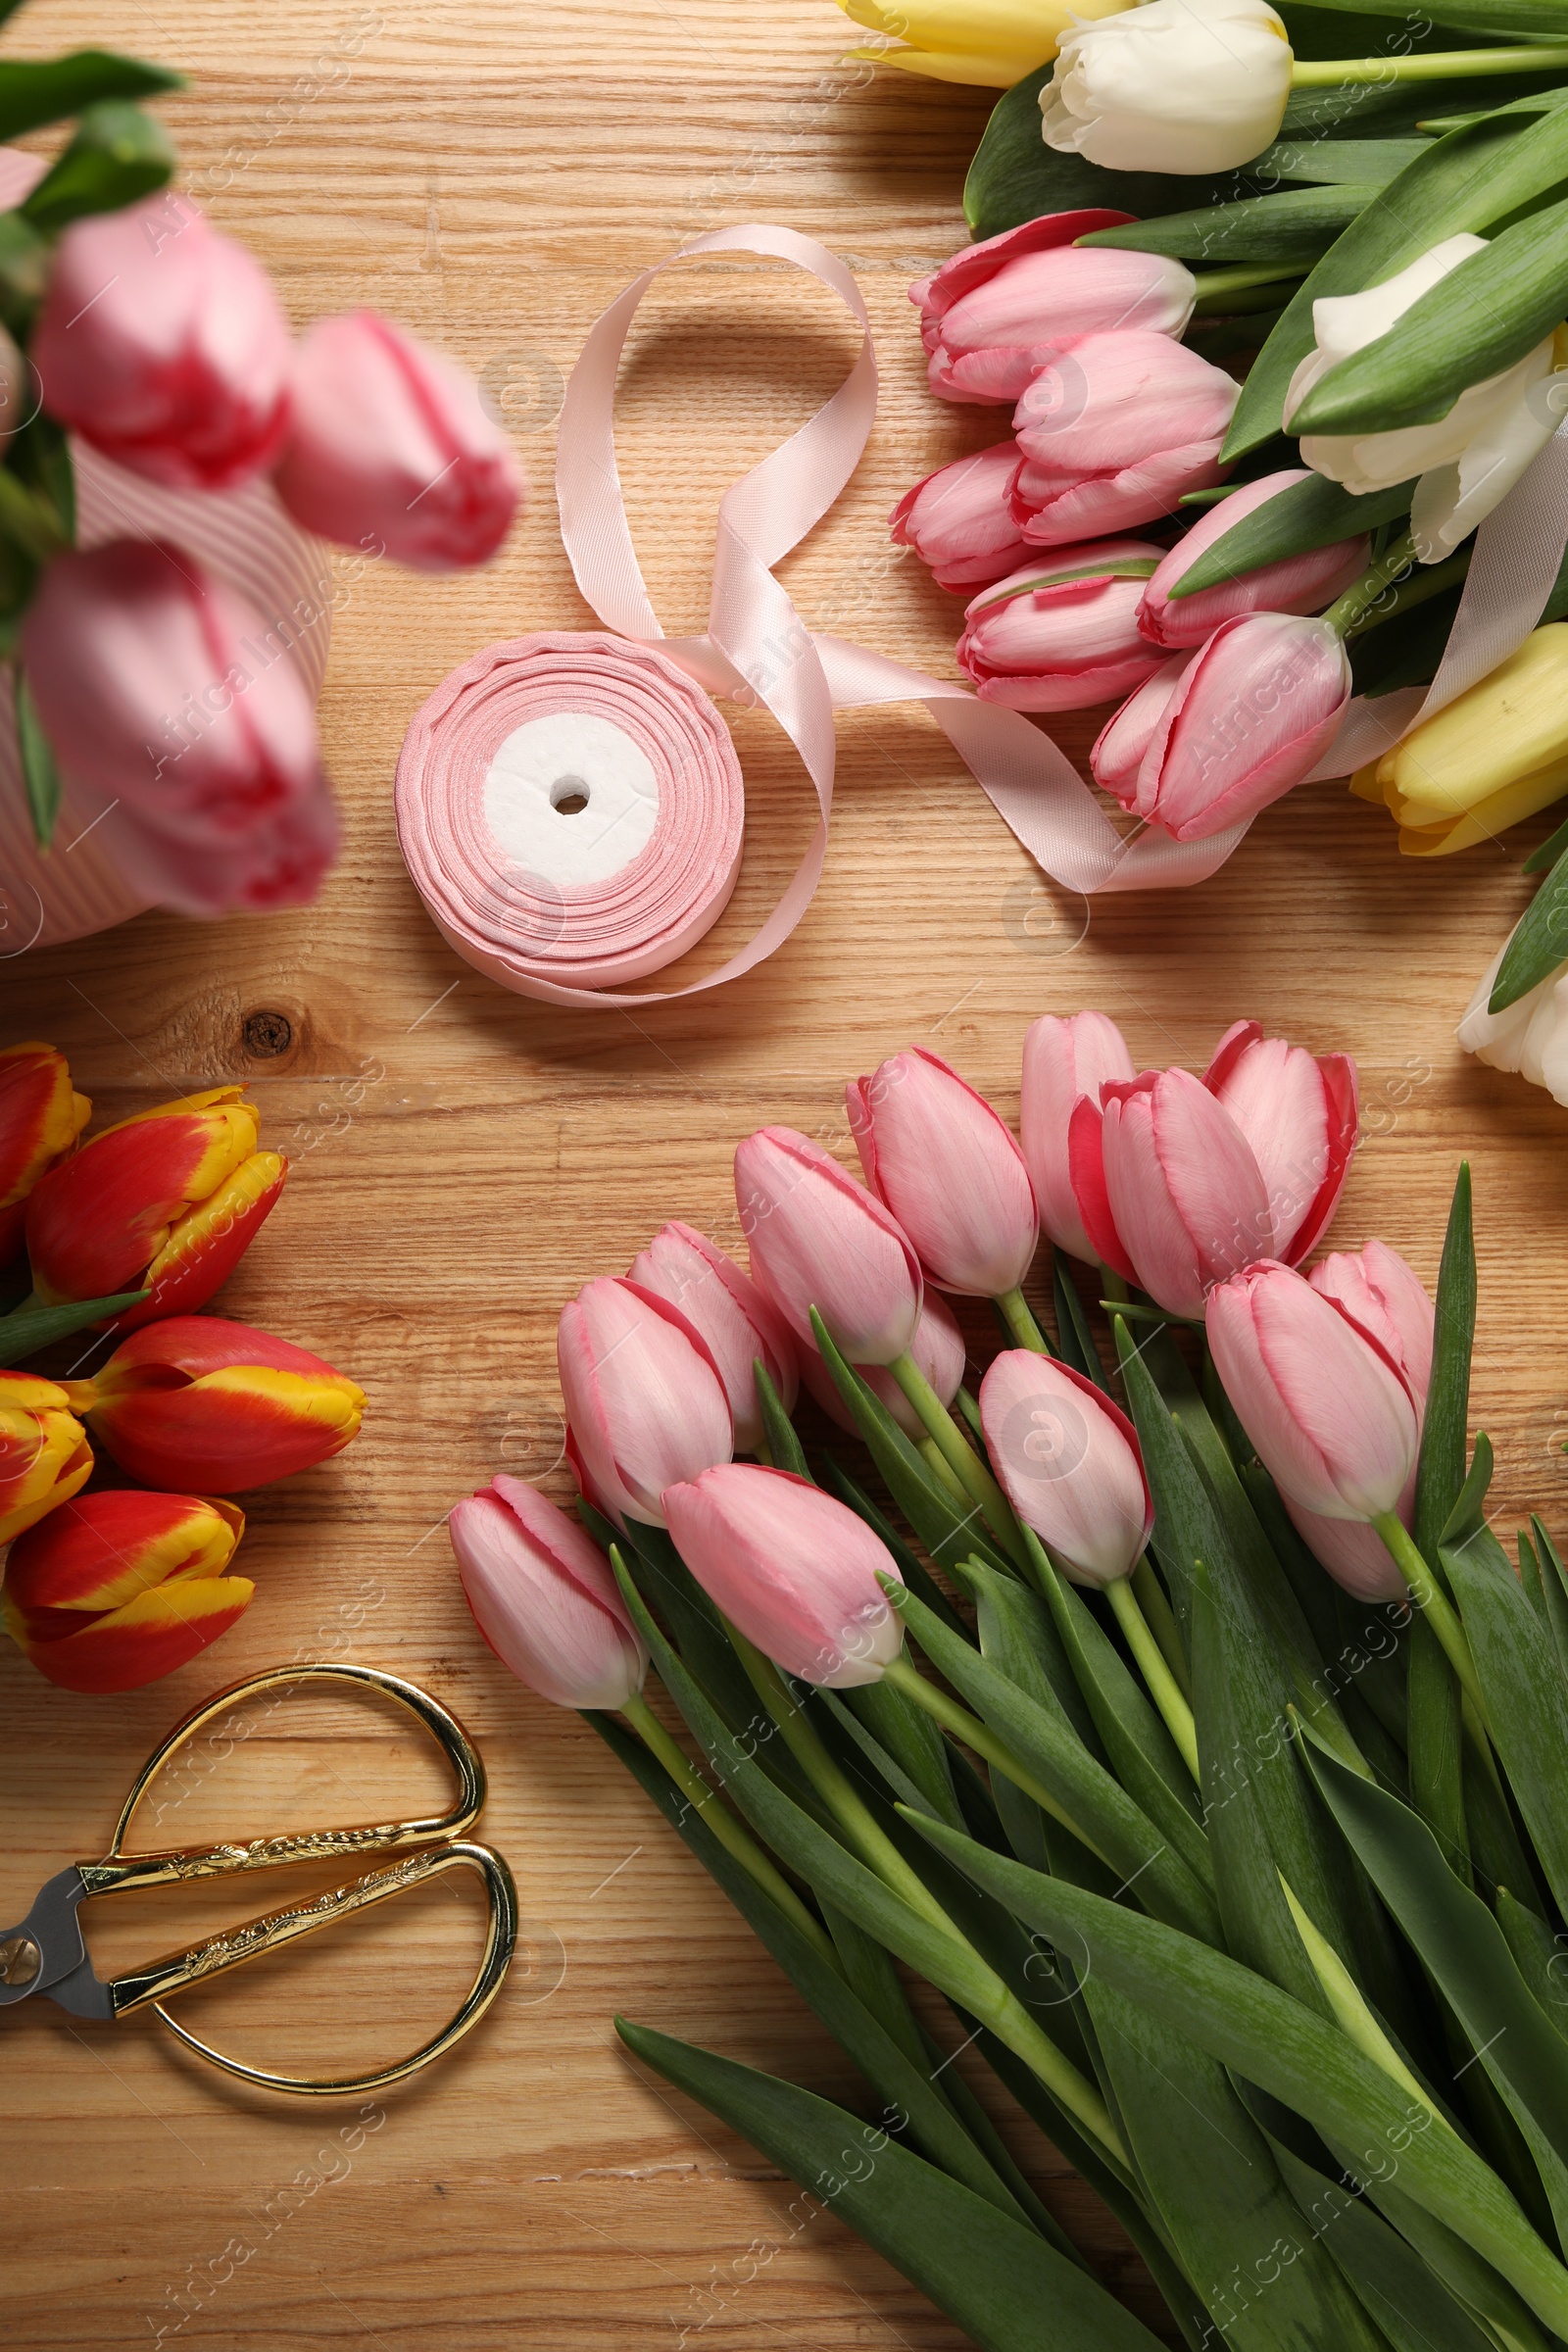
(1302, 515)
(33, 93)
(1540, 943)
(1498, 20)
(783, 1446)
(1552, 848)
(27, 1329)
(117, 156)
(1297, 227)
(989, 2273)
(1372, 163)
(1074, 1336)
(1539, 1957)
(40, 773)
(1441, 1472)
(914, 1569)
(1553, 1591)
(1017, 1635)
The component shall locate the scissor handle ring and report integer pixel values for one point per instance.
(500, 1943)
(444, 1728)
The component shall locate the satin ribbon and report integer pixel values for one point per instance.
(759, 652)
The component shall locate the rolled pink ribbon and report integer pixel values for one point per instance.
(570, 809)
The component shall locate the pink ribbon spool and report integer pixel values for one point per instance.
(570, 809)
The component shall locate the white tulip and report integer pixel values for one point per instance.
(1470, 459)
(1529, 1037)
(1175, 85)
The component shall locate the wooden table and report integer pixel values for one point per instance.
(493, 175)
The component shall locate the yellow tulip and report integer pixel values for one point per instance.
(991, 42)
(1497, 753)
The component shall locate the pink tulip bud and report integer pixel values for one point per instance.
(280, 862)
(1070, 1461)
(1119, 747)
(1063, 1059)
(795, 1569)
(164, 689)
(1168, 1186)
(1298, 584)
(938, 1348)
(1062, 631)
(545, 1598)
(1251, 713)
(643, 1395)
(730, 1315)
(1331, 1416)
(163, 344)
(960, 519)
(1298, 1113)
(818, 1239)
(936, 1152)
(1114, 430)
(993, 314)
(389, 449)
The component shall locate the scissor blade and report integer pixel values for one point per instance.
(54, 1931)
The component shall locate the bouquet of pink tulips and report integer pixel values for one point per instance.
(150, 698)
(1183, 1722)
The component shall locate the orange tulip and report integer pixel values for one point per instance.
(44, 1456)
(121, 1588)
(40, 1117)
(194, 1402)
(168, 1200)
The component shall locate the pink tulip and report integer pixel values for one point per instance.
(163, 689)
(729, 1314)
(1331, 1416)
(1251, 715)
(936, 1152)
(818, 1239)
(1168, 1186)
(1114, 430)
(280, 863)
(545, 1598)
(793, 1568)
(1384, 1296)
(1070, 1461)
(1298, 1113)
(389, 449)
(1119, 746)
(1296, 584)
(993, 314)
(643, 1395)
(163, 344)
(938, 1348)
(1063, 1059)
(960, 519)
(1062, 631)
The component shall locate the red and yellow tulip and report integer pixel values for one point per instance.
(195, 1401)
(169, 1201)
(41, 1116)
(44, 1456)
(121, 1588)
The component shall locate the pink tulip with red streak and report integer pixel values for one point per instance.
(163, 344)
(1069, 1462)
(1385, 1296)
(729, 1313)
(643, 1394)
(1114, 430)
(936, 1152)
(1298, 1111)
(793, 1568)
(1247, 718)
(993, 314)
(1064, 1060)
(545, 1598)
(1329, 1412)
(938, 1349)
(1122, 742)
(960, 519)
(1303, 583)
(818, 1239)
(1061, 632)
(390, 448)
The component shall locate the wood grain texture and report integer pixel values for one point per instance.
(492, 174)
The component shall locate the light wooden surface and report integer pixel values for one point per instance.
(493, 173)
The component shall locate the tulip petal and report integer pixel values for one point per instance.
(1086, 1161)
(205, 1246)
(152, 1635)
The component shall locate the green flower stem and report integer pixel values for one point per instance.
(1431, 65)
(936, 1463)
(960, 1458)
(1396, 564)
(1160, 1619)
(1214, 284)
(737, 1840)
(1440, 1612)
(1016, 1313)
(1417, 586)
(984, 1740)
(1350, 2011)
(1157, 1674)
(988, 1996)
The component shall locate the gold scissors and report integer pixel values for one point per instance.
(46, 1953)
